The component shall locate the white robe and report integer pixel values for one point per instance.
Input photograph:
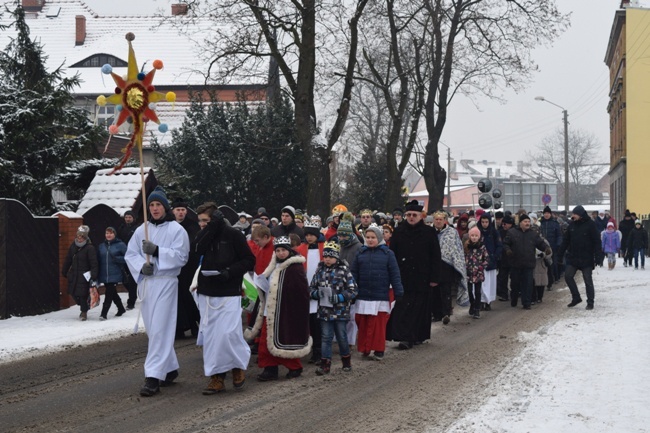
(159, 293)
(221, 334)
(489, 286)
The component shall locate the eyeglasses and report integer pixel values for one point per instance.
(411, 215)
(264, 219)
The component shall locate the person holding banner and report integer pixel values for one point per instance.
(226, 258)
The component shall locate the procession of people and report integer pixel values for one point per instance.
(348, 287)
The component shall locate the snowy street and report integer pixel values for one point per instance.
(573, 371)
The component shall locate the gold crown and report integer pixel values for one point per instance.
(331, 246)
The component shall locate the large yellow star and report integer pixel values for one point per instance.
(135, 96)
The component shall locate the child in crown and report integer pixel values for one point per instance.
(333, 287)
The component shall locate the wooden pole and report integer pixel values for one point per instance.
(144, 192)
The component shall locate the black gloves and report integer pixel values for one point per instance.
(223, 276)
(150, 248)
(147, 269)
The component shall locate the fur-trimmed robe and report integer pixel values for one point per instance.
(287, 309)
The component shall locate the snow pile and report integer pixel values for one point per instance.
(22, 337)
(585, 374)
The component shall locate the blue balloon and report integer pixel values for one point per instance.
(141, 76)
(163, 128)
(107, 69)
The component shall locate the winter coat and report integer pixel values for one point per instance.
(375, 270)
(110, 256)
(493, 244)
(476, 261)
(625, 226)
(125, 231)
(520, 247)
(601, 223)
(417, 251)
(282, 230)
(610, 241)
(78, 261)
(350, 251)
(551, 231)
(339, 278)
(582, 242)
(222, 248)
(504, 262)
(638, 238)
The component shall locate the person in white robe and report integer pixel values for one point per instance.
(155, 255)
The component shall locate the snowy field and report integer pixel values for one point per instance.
(588, 372)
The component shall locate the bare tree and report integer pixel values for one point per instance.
(294, 33)
(584, 167)
(478, 47)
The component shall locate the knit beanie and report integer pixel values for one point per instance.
(158, 194)
(376, 230)
(85, 230)
(547, 209)
(474, 230)
(290, 210)
(523, 217)
(637, 222)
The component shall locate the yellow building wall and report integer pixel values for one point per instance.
(638, 109)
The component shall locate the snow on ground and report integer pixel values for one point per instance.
(22, 337)
(587, 372)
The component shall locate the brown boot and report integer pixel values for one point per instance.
(325, 365)
(83, 316)
(238, 378)
(216, 385)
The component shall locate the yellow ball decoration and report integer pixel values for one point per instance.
(170, 96)
(101, 100)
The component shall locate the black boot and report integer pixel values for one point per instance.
(269, 373)
(325, 365)
(347, 362)
(151, 387)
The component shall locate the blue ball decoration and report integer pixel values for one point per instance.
(141, 76)
(163, 128)
(118, 107)
(107, 69)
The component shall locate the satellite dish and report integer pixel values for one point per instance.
(484, 185)
(485, 201)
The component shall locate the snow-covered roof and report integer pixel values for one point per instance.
(118, 191)
(155, 38)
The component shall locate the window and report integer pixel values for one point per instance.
(99, 60)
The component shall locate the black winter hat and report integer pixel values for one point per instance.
(180, 202)
(547, 209)
(414, 205)
(507, 220)
(129, 212)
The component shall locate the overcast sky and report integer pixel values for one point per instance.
(572, 74)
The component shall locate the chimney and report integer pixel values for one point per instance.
(489, 172)
(179, 9)
(80, 30)
(498, 173)
(32, 5)
(520, 166)
(625, 4)
(508, 163)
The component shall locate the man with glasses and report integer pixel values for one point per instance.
(417, 250)
(366, 220)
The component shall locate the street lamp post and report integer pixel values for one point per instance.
(448, 177)
(566, 150)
